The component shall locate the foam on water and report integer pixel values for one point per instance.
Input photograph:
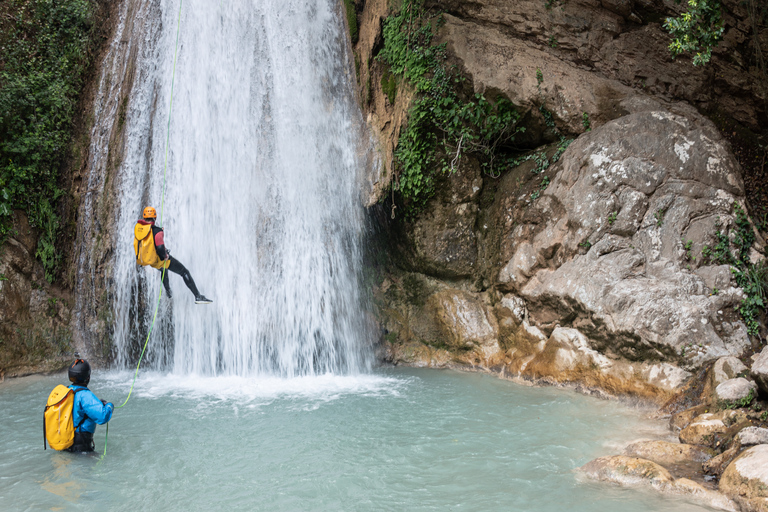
(249, 390)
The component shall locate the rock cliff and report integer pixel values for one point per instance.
(596, 267)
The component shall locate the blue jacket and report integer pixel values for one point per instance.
(88, 406)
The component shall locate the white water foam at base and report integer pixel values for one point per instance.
(250, 390)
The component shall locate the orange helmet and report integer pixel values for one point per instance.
(149, 213)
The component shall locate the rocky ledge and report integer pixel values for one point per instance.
(721, 459)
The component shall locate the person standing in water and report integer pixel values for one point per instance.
(149, 246)
(87, 410)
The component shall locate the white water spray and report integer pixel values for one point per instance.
(262, 197)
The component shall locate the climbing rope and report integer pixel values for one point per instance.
(162, 208)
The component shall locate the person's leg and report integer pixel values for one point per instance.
(177, 268)
(83, 443)
(166, 283)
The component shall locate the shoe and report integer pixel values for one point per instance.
(200, 299)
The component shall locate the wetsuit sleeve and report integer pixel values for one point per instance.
(94, 409)
(160, 245)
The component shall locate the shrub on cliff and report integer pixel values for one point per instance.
(44, 52)
(441, 126)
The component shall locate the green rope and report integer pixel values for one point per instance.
(162, 208)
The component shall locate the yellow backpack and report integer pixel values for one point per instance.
(58, 426)
(144, 247)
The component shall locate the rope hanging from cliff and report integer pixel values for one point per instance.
(162, 208)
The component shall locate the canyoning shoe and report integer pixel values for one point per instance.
(200, 299)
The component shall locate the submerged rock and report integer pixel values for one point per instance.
(625, 470)
(633, 471)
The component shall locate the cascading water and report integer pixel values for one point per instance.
(262, 192)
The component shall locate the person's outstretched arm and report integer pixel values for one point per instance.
(97, 410)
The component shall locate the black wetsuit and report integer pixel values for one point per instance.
(176, 267)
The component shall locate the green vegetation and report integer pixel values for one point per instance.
(442, 124)
(736, 404)
(46, 48)
(659, 216)
(585, 121)
(354, 33)
(751, 277)
(389, 86)
(697, 30)
(612, 218)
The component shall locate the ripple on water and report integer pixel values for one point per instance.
(400, 439)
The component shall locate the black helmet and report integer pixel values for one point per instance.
(80, 372)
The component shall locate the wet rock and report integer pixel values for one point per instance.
(759, 370)
(682, 419)
(702, 430)
(726, 368)
(716, 465)
(701, 494)
(753, 435)
(747, 476)
(735, 389)
(632, 471)
(625, 470)
(666, 453)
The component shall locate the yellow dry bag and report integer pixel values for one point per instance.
(144, 247)
(58, 427)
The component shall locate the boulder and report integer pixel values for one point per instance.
(735, 389)
(759, 370)
(702, 430)
(752, 436)
(726, 368)
(624, 470)
(747, 476)
(601, 248)
(682, 419)
(666, 453)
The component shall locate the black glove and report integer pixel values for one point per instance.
(103, 402)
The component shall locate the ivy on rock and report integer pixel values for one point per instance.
(442, 126)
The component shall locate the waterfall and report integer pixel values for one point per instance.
(262, 191)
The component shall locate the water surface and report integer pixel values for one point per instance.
(401, 439)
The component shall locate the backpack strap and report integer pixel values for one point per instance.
(85, 417)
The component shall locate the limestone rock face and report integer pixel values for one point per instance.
(747, 476)
(632, 191)
(735, 389)
(666, 453)
(702, 430)
(759, 370)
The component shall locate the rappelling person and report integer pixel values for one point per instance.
(72, 414)
(150, 250)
